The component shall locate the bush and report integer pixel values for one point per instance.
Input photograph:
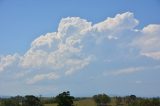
(31, 100)
(102, 99)
(64, 99)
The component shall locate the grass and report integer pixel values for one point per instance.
(51, 104)
(85, 102)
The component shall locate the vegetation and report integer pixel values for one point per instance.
(132, 100)
(9, 102)
(64, 99)
(13, 101)
(28, 100)
(31, 100)
(102, 99)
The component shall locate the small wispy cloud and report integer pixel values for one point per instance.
(124, 71)
(40, 77)
(138, 82)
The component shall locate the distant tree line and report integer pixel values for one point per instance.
(65, 99)
(28, 100)
(132, 100)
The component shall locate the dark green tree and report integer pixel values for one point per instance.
(10, 102)
(118, 100)
(102, 99)
(31, 100)
(131, 100)
(145, 102)
(155, 102)
(64, 99)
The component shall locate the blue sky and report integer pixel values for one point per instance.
(48, 46)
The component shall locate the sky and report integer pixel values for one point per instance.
(84, 46)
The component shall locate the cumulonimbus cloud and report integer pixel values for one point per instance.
(77, 44)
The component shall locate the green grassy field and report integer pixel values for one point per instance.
(50, 105)
(86, 102)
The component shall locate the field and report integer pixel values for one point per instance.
(85, 102)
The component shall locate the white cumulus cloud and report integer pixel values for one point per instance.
(8, 61)
(77, 43)
(148, 41)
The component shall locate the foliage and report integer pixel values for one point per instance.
(31, 100)
(48, 100)
(64, 99)
(131, 100)
(118, 100)
(101, 99)
(10, 102)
